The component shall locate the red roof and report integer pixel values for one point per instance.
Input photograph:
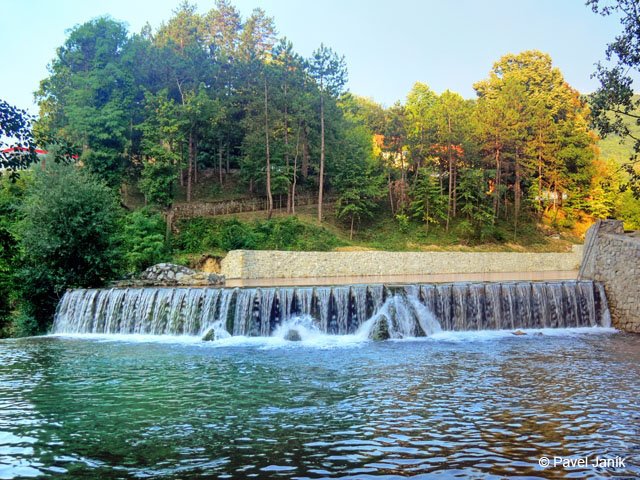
(23, 149)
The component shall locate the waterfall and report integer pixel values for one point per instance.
(405, 311)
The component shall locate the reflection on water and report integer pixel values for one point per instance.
(454, 406)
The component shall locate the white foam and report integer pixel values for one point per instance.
(484, 335)
(311, 337)
(129, 337)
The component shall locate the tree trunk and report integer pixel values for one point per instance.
(167, 233)
(295, 174)
(286, 145)
(195, 164)
(455, 191)
(190, 166)
(496, 196)
(304, 167)
(351, 231)
(181, 164)
(518, 194)
(540, 179)
(220, 162)
(450, 190)
(449, 154)
(390, 192)
(321, 179)
(266, 136)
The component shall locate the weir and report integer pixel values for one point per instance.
(400, 311)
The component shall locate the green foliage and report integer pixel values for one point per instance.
(427, 202)
(143, 242)
(157, 180)
(15, 131)
(403, 222)
(23, 325)
(67, 231)
(88, 98)
(475, 205)
(355, 177)
(629, 210)
(614, 104)
(11, 194)
(219, 236)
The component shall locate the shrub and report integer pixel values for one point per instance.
(143, 240)
(68, 236)
(23, 325)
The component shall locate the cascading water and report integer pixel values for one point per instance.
(397, 312)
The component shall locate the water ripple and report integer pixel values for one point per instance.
(437, 409)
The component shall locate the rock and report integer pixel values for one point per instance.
(518, 332)
(215, 279)
(209, 336)
(170, 275)
(380, 330)
(293, 336)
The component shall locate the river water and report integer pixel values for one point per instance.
(455, 405)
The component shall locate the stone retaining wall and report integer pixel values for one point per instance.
(613, 258)
(253, 264)
(228, 207)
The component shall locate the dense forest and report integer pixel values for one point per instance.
(223, 93)
(217, 106)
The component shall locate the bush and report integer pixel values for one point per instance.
(218, 236)
(68, 237)
(23, 325)
(11, 194)
(143, 240)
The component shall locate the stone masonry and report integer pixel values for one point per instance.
(170, 275)
(248, 264)
(612, 257)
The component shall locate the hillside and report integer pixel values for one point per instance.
(616, 148)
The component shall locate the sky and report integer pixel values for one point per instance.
(388, 45)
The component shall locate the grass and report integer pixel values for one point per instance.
(198, 238)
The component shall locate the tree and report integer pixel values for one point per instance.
(67, 237)
(222, 26)
(532, 126)
(428, 204)
(452, 119)
(330, 73)
(474, 203)
(355, 177)
(614, 107)
(15, 126)
(87, 98)
(394, 154)
(420, 104)
(143, 242)
(161, 141)
(11, 195)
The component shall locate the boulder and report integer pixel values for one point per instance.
(380, 330)
(171, 275)
(293, 335)
(209, 336)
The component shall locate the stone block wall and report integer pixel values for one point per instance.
(227, 207)
(258, 264)
(612, 257)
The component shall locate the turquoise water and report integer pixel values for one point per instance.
(458, 405)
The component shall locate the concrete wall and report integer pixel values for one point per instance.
(251, 264)
(613, 258)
